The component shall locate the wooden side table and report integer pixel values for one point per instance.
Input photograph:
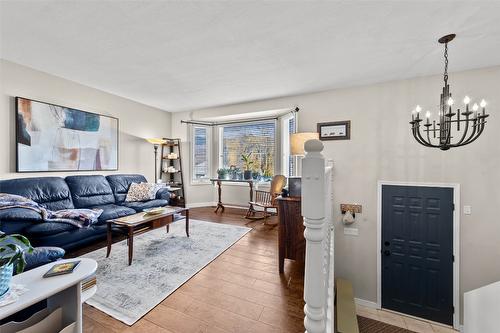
(219, 182)
(291, 241)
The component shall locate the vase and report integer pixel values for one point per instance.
(248, 174)
(6, 272)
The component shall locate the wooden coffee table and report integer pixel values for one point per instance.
(139, 223)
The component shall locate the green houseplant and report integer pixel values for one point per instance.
(12, 250)
(222, 173)
(248, 163)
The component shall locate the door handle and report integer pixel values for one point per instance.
(387, 243)
(387, 253)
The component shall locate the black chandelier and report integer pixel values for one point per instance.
(469, 124)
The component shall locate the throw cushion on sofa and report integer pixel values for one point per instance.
(139, 192)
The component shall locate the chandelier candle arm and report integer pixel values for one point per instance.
(444, 136)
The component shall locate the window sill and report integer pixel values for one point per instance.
(200, 183)
(256, 185)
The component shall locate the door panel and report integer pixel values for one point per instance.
(417, 251)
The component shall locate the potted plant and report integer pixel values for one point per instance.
(222, 173)
(247, 165)
(12, 250)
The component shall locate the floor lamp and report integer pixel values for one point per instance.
(156, 143)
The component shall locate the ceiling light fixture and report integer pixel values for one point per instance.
(439, 134)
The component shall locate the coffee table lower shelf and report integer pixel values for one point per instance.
(140, 223)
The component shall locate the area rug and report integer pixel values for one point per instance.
(162, 263)
(367, 325)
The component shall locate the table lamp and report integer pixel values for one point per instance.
(156, 143)
(297, 141)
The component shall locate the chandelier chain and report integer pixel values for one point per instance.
(446, 63)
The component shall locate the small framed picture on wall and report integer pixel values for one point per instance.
(337, 130)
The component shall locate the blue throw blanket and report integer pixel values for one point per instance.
(78, 217)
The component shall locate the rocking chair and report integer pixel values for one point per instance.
(266, 200)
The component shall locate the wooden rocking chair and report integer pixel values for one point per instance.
(266, 200)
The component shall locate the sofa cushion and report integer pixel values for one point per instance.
(48, 228)
(43, 255)
(113, 211)
(87, 191)
(20, 214)
(139, 206)
(14, 227)
(121, 183)
(50, 192)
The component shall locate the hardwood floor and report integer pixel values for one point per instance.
(240, 291)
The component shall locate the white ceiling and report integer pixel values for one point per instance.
(188, 55)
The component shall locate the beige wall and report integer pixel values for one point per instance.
(136, 121)
(382, 148)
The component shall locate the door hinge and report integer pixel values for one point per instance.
(453, 207)
(453, 258)
(452, 309)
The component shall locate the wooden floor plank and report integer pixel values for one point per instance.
(241, 291)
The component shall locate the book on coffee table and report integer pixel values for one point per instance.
(60, 269)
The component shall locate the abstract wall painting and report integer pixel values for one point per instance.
(50, 137)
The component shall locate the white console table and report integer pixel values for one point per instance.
(64, 291)
(482, 309)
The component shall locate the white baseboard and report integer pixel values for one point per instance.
(201, 204)
(368, 304)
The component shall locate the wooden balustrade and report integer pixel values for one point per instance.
(318, 222)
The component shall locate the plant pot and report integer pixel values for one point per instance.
(248, 174)
(6, 272)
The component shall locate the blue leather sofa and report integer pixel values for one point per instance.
(55, 193)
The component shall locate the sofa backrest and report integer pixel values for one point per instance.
(121, 183)
(87, 191)
(50, 192)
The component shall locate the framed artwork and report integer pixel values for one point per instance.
(337, 130)
(51, 137)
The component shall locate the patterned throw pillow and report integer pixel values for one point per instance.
(139, 192)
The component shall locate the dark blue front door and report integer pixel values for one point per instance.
(417, 251)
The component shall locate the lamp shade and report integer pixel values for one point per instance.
(297, 141)
(156, 141)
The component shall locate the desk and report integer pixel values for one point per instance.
(219, 182)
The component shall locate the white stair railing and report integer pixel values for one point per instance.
(317, 212)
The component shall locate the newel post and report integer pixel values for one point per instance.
(313, 210)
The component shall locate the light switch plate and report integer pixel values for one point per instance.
(467, 210)
(351, 231)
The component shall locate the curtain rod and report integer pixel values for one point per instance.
(207, 123)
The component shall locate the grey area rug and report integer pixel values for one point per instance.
(162, 263)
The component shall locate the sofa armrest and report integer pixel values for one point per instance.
(164, 194)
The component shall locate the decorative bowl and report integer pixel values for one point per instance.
(154, 211)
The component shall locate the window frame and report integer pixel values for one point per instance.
(277, 140)
(201, 181)
(285, 143)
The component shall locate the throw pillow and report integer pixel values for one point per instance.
(139, 192)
